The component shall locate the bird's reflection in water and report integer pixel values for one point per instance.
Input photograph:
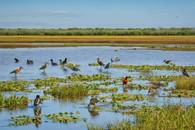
(44, 74)
(93, 112)
(37, 116)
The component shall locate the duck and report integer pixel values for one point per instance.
(29, 62)
(93, 101)
(53, 63)
(37, 100)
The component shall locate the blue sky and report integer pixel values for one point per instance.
(96, 13)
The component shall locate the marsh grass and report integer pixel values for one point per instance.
(72, 91)
(79, 77)
(148, 67)
(173, 117)
(21, 120)
(185, 83)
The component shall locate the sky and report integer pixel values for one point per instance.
(96, 13)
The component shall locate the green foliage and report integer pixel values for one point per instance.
(13, 85)
(13, 102)
(64, 117)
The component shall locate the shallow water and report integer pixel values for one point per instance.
(83, 56)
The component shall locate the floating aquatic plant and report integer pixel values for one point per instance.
(64, 117)
(21, 120)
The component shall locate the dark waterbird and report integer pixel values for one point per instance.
(37, 100)
(17, 70)
(29, 62)
(185, 73)
(16, 60)
(107, 66)
(93, 101)
(53, 63)
(167, 61)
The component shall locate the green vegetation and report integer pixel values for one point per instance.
(21, 120)
(78, 77)
(174, 117)
(13, 85)
(13, 102)
(100, 31)
(149, 67)
(65, 117)
(71, 91)
(126, 97)
(49, 82)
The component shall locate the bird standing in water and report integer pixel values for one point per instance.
(29, 62)
(100, 62)
(43, 67)
(16, 60)
(17, 70)
(93, 101)
(125, 81)
(185, 73)
(37, 100)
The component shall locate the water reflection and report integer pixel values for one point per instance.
(37, 116)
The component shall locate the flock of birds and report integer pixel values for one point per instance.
(63, 64)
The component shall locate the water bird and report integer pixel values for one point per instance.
(65, 61)
(16, 60)
(29, 62)
(93, 101)
(53, 63)
(125, 81)
(100, 62)
(74, 68)
(167, 61)
(43, 67)
(17, 70)
(37, 100)
(185, 73)
(107, 66)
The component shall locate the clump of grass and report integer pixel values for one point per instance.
(64, 117)
(71, 91)
(49, 82)
(13, 102)
(13, 85)
(148, 67)
(173, 117)
(126, 97)
(79, 77)
(186, 83)
(21, 120)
